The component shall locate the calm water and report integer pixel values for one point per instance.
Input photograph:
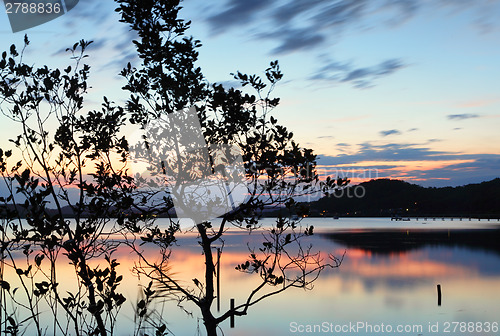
(387, 280)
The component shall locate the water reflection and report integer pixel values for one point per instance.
(395, 241)
(387, 276)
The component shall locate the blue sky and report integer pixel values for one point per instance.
(408, 89)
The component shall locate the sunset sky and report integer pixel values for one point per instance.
(404, 89)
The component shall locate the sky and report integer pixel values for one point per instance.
(406, 89)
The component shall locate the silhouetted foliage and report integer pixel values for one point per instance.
(87, 156)
(276, 167)
(74, 158)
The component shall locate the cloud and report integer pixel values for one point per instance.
(384, 68)
(482, 167)
(326, 137)
(405, 9)
(462, 116)
(296, 39)
(389, 132)
(453, 169)
(292, 9)
(292, 24)
(484, 13)
(92, 12)
(316, 26)
(360, 78)
(341, 13)
(392, 152)
(326, 20)
(238, 13)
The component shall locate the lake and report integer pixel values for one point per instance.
(386, 285)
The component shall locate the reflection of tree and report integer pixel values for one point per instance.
(393, 241)
(275, 167)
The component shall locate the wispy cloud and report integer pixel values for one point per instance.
(314, 26)
(418, 163)
(393, 151)
(389, 132)
(325, 19)
(292, 24)
(359, 77)
(295, 39)
(462, 116)
(237, 13)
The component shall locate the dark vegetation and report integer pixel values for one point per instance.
(386, 198)
(63, 150)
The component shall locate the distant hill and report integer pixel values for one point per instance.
(386, 197)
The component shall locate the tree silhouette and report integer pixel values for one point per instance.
(275, 166)
(70, 190)
(46, 168)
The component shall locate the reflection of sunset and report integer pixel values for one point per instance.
(405, 269)
(380, 287)
(364, 171)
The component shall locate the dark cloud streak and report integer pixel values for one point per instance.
(390, 132)
(359, 77)
(480, 167)
(462, 116)
(239, 12)
(305, 25)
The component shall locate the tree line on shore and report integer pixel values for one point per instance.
(387, 197)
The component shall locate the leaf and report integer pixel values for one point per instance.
(4, 285)
(38, 259)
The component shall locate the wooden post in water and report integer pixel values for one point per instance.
(231, 319)
(439, 294)
(218, 279)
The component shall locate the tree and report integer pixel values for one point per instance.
(86, 153)
(51, 166)
(276, 168)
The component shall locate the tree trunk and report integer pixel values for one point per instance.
(206, 304)
(92, 296)
(210, 325)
